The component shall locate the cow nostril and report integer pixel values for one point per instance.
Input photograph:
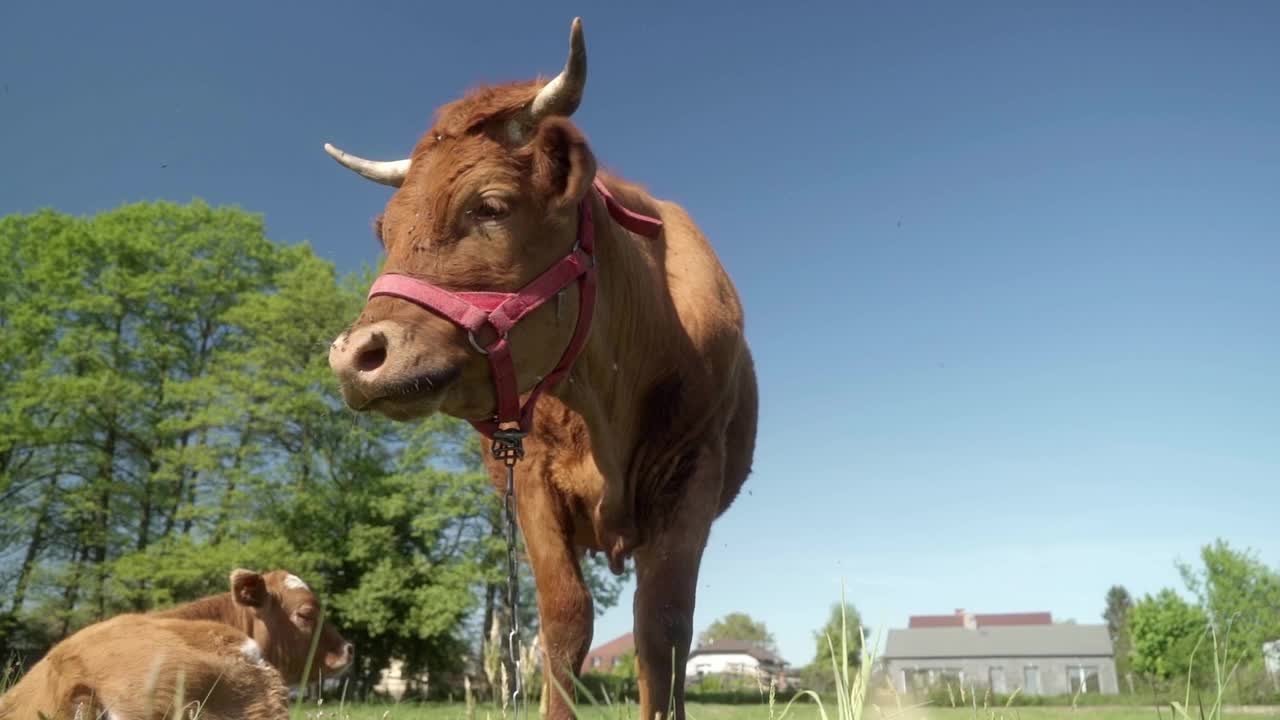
(371, 359)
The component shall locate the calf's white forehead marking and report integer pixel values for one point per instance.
(250, 649)
(293, 582)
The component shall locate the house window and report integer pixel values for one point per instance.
(1031, 680)
(1083, 679)
(995, 678)
(948, 676)
(597, 661)
(925, 678)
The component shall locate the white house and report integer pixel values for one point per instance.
(733, 657)
(1271, 656)
(397, 683)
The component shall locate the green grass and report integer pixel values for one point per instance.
(851, 699)
(457, 711)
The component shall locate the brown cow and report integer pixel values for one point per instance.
(235, 654)
(279, 611)
(651, 434)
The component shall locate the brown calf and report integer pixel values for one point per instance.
(235, 654)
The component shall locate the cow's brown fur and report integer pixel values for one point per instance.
(121, 667)
(235, 660)
(280, 616)
(652, 435)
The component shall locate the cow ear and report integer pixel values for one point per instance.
(248, 588)
(564, 166)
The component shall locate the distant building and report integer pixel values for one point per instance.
(395, 682)
(734, 657)
(1271, 657)
(606, 657)
(723, 657)
(1001, 652)
(960, 618)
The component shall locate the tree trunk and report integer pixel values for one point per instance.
(102, 522)
(228, 493)
(146, 509)
(186, 478)
(190, 520)
(35, 546)
(490, 595)
(72, 591)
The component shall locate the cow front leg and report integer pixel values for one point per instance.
(666, 583)
(565, 610)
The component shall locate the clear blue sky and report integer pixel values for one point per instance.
(1012, 274)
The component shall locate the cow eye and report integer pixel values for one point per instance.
(489, 209)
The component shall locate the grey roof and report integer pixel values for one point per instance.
(1008, 641)
(719, 647)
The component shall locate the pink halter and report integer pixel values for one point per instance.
(501, 310)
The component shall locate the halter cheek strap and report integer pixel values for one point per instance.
(501, 311)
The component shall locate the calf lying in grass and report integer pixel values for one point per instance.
(232, 655)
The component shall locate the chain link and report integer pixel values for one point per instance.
(508, 446)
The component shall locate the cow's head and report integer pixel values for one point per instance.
(487, 201)
(286, 614)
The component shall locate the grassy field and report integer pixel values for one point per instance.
(809, 711)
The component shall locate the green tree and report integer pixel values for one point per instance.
(104, 328)
(1166, 632)
(741, 627)
(1240, 596)
(843, 622)
(627, 673)
(1118, 605)
(167, 413)
(817, 675)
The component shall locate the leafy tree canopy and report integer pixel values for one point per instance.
(167, 413)
(741, 627)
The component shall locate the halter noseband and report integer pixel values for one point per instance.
(501, 311)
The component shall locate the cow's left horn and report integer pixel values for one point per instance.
(562, 95)
(390, 172)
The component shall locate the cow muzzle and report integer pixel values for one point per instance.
(338, 665)
(378, 369)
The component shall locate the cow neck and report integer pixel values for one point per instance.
(219, 608)
(625, 345)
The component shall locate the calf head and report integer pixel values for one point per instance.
(286, 615)
(487, 201)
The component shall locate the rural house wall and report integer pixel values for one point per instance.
(976, 672)
(722, 663)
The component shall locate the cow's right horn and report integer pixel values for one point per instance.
(391, 172)
(562, 95)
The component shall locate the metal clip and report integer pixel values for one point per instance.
(508, 446)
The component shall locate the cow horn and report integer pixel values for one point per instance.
(390, 172)
(562, 95)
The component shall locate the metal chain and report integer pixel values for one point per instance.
(508, 446)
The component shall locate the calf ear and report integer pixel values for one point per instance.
(248, 588)
(564, 166)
